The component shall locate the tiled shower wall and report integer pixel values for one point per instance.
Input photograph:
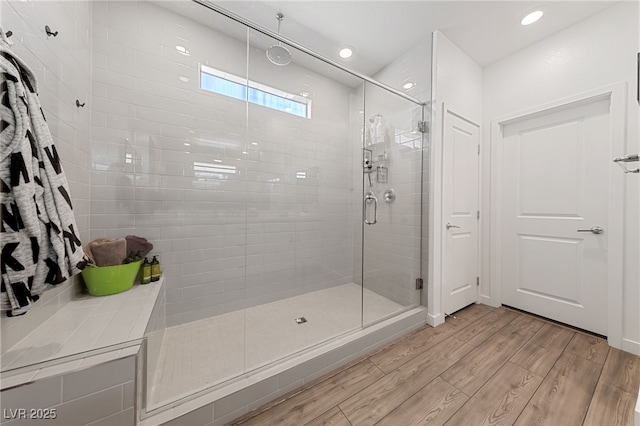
(414, 65)
(62, 66)
(257, 231)
(392, 247)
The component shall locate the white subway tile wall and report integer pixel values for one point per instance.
(244, 204)
(99, 394)
(62, 66)
(392, 259)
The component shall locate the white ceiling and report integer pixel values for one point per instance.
(381, 31)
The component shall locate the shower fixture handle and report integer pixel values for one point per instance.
(368, 199)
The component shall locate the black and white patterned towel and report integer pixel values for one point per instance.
(39, 237)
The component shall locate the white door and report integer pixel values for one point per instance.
(555, 213)
(460, 273)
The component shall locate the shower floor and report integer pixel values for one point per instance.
(202, 353)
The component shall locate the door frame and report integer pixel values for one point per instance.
(446, 109)
(617, 94)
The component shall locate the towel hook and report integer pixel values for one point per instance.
(80, 105)
(49, 32)
(5, 36)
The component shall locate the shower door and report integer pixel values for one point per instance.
(299, 260)
(392, 199)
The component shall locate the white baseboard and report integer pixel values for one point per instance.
(631, 346)
(435, 320)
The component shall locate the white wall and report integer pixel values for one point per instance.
(225, 242)
(457, 84)
(62, 66)
(593, 53)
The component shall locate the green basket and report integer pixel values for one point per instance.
(105, 280)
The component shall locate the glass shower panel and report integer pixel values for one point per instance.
(392, 169)
(190, 189)
(303, 122)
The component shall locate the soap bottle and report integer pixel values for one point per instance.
(155, 269)
(146, 272)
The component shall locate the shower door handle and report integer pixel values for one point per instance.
(368, 199)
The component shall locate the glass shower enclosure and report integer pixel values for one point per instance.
(287, 199)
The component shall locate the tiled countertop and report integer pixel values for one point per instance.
(85, 331)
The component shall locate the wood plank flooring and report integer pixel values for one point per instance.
(486, 366)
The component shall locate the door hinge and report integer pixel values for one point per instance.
(423, 127)
(418, 283)
(478, 149)
(477, 281)
(478, 215)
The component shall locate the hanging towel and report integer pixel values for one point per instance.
(40, 244)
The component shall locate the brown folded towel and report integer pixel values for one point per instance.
(138, 246)
(87, 249)
(107, 252)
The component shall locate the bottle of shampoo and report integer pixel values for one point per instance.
(155, 269)
(146, 272)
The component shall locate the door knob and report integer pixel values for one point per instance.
(594, 229)
(449, 226)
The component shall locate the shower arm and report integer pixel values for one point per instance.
(279, 17)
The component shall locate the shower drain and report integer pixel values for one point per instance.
(301, 320)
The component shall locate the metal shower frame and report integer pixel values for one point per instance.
(212, 6)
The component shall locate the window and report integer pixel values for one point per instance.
(236, 87)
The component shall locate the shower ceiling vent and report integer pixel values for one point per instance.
(301, 320)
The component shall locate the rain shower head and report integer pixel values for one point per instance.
(278, 54)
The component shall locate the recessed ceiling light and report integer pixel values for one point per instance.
(183, 50)
(408, 85)
(187, 144)
(532, 17)
(346, 52)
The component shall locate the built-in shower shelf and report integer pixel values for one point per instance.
(85, 331)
